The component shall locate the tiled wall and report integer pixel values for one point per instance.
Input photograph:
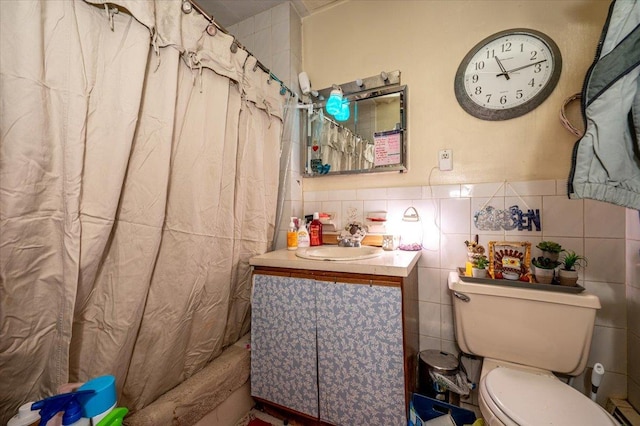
(274, 37)
(633, 306)
(594, 229)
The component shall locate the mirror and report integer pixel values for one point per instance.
(372, 139)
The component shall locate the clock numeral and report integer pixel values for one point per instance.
(506, 47)
(479, 65)
(478, 90)
(534, 55)
(488, 97)
(503, 99)
(491, 53)
(537, 68)
(519, 94)
(531, 83)
(521, 47)
(474, 78)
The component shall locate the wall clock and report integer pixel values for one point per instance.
(508, 74)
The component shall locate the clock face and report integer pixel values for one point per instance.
(508, 74)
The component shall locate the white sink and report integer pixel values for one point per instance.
(338, 253)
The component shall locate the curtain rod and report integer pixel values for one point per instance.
(259, 64)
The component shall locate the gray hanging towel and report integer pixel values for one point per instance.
(606, 160)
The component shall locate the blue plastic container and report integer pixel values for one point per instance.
(423, 408)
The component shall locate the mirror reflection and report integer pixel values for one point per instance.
(371, 139)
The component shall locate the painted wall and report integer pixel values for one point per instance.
(426, 40)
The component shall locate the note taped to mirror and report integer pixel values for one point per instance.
(387, 148)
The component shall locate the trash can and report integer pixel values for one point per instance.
(442, 363)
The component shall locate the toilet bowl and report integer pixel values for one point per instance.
(512, 395)
(525, 335)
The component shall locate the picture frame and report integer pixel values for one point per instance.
(510, 260)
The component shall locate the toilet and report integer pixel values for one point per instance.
(525, 335)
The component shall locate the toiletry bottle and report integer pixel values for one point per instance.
(315, 230)
(292, 235)
(303, 235)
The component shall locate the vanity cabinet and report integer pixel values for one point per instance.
(338, 348)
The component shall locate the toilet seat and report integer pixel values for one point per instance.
(523, 398)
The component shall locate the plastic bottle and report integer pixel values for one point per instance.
(315, 230)
(25, 416)
(292, 235)
(303, 235)
(103, 401)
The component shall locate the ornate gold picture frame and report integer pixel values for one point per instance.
(510, 260)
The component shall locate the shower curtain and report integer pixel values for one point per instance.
(138, 174)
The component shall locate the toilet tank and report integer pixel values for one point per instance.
(544, 329)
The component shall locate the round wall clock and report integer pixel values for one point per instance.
(508, 74)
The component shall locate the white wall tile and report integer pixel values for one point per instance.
(246, 27)
(445, 294)
(606, 260)
(263, 20)
(430, 258)
(536, 187)
(455, 215)
(442, 191)
(603, 220)
(447, 329)
(633, 224)
(427, 342)
(352, 211)
(488, 190)
(281, 13)
(633, 342)
(612, 299)
(609, 347)
(374, 206)
(453, 251)
(450, 346)
(633, 263)
(429, 318)
(633, 310)
(405, 193)
(316, 196)
(342, 195)
(634, 394)
(429, 285)
(613, 385)
(371, 194)
(334, 207)
(281, 42)
(262, 48)
(561, 187)
(562, 217)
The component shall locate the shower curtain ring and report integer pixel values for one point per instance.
(211, 29)
(187, 7)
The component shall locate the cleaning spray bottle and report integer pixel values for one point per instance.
(68, 403)
(25, 416)
(100, 407)
(292, 235)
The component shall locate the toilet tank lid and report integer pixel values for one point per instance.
(530, 399)
(583, 299)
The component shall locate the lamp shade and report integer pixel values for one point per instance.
(344, 113)
(334, 103)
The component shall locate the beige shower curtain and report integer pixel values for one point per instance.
(138, 174)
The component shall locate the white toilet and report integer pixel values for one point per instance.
(524, 335)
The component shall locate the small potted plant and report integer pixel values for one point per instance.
(550, 250)
(479, 268)
(545, 268)
(570, 262)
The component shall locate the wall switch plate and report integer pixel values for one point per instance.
(445, 160)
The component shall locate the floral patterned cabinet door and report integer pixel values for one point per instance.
(283, 342)
(360, 354)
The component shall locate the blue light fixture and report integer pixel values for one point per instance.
(344, 113)
(334, 103)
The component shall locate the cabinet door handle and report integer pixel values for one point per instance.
(462, 296)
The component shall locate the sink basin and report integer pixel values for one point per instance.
(339, 253)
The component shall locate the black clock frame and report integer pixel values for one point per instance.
(505, 114)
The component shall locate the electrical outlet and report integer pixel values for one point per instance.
(445, 160)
